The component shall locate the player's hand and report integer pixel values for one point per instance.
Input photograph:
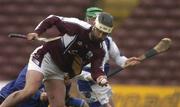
(67, 80)
(32, 36)
(132, 61)
(44, 97)
(102, 80)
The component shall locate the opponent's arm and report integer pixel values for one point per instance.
(160, 47)
(115, 54)
(119, 58)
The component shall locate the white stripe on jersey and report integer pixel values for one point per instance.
(66, 39)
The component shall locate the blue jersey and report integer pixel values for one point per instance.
(34, 101)
(85, 86)
(19, 84)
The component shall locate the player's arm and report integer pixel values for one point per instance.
(45, 24)
(51, 20)
(97, 67)
(120, 59)
(115, 54)
(63, 24)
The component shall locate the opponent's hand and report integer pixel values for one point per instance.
(132, 61)
(102, 80)
(32, 36)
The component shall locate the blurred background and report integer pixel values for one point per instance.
(139, 25)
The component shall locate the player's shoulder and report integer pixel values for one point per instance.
(109, 39)
(77, 21)
(54, 16)
(73, 20)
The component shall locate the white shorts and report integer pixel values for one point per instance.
(46, 66)
(99, 93)
(103, 94)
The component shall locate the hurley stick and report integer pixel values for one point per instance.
(162, 46)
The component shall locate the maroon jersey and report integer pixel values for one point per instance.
(74, 49)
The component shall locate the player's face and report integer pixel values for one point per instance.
(98, 34)
(90, 20)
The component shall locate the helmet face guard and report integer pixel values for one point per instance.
(104, 22)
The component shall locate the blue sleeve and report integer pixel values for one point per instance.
(15, 84)
(20, 81)
(7, 90)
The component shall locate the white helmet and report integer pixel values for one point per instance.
(104, 22)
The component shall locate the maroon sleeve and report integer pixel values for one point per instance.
(52, 20)
(47, 23)
(97, 63)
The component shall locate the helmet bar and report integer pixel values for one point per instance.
(104, 22)
(103, 28)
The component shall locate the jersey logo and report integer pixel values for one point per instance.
(80, 43)
(35, 61)
(89, 55)
(73, 52)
